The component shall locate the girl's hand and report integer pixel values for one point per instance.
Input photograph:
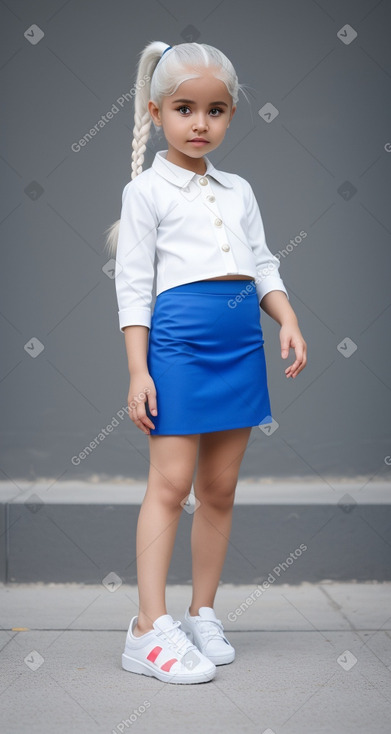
(291, 336)
(141, 389)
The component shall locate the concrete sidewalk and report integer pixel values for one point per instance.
(312, 658)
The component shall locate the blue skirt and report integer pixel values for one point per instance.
(206, 358)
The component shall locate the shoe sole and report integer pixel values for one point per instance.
(216, 659)
(136, 666)
(220, 661)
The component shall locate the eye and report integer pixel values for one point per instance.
(214, 109)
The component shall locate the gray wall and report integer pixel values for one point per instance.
(321, 166)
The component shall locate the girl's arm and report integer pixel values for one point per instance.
(142, 387)
(135, 255)
(272, 294)
(136, 343)
(267, 265)
(134, 275)
(276, 305)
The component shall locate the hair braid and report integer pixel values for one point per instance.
(148, 61)
(140, 137)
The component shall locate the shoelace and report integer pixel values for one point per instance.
(177, 639)
(208, 627)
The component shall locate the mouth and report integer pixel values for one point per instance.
(198, 140)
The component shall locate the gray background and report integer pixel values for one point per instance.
(330, 136)
(333, 127)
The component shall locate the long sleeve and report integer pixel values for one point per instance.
(267, 264)
(135, 255)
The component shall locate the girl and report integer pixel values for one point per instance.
(197, 366)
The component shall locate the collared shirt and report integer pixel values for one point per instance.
(195, 227)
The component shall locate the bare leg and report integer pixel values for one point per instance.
(220, 456)
(172, 463)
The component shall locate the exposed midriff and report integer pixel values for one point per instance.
(231, 276)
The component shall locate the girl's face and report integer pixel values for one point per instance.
(200, 108)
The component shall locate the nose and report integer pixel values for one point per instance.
(200, 123)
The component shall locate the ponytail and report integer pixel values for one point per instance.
(149, 59)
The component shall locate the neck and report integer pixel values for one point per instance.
(196, 165)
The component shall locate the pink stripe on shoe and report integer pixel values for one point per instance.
(154, 653)
(168, 665)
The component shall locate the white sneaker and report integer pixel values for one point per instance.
(166, 653)
(207, 632)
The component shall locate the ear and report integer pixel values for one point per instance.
(232, 114)
(154, 112)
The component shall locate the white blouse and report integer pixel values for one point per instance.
(198, 227)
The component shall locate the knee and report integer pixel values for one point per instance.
(171, 490)
(219, 494)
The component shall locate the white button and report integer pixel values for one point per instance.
(225, 247)
(203, 181)
(211, 198)
(218, 222)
